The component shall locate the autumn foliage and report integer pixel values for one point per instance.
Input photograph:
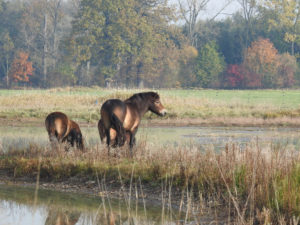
(262, 58)
(235, 76)
(286, 70)
(21, 67)
(262, 67)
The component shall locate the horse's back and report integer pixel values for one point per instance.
(74, 126)
(112, 107)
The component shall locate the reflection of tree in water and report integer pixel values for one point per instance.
(114, 218)
(66, 217)
(62, 217)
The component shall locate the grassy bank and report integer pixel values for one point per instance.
(253, 185)
(214, 107)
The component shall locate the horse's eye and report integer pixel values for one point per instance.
(156, 102)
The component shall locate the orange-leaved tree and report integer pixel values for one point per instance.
(21, 67)
(262, 58)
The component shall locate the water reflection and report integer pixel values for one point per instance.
(18, 207)
(62, 217)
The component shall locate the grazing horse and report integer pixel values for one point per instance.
(62, 129)
(125, 116)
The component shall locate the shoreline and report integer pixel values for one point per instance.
(209, 211)
(149, 194)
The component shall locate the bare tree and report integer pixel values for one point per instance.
(248, 10)
(56, 14)
(41, 19)
(190, 11)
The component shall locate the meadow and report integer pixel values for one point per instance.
(208, 107)
(256, 184)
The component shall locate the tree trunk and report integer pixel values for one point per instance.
(55, 24)
(7, 78)
(138, 74)
(44, 59)
(128, 69)
(88, 66)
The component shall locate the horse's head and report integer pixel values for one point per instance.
(155, 105)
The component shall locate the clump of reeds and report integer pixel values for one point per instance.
(253, 184)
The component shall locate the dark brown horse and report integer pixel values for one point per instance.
(62, 129)
(125, 116)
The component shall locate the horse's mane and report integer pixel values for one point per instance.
(142, 96)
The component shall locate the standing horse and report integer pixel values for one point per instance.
(60, 128)
(125, 117)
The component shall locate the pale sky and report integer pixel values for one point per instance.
(214, 6)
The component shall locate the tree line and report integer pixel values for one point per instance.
(148, 43)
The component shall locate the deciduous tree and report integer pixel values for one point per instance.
(261, 58)
(287, 17)
(286, 70)
(6, 47)
(21, 68)
(209, 64)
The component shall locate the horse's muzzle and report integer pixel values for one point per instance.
(163, 112)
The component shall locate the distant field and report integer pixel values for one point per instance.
(83, 104)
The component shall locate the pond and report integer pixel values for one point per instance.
(22, 206)
(217, 137)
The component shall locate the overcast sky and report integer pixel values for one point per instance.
(214, 7)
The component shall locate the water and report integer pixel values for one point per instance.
(19, 206)
(218, 137)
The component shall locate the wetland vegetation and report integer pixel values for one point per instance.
(241, 175)
(252, 184)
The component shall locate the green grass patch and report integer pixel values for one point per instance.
(83, 104)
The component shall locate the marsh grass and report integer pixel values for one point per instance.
(83, 104)
(253, 185)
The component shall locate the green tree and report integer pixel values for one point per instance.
(6, 48)
(287, 16)
(209, 64)
(120, 39)
(87, 31)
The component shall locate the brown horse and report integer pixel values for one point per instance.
(60, 128)
(102, 134)
(125, 116)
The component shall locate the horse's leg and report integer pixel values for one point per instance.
(132, 141)
(107, 131)
(53, 141)
(67, 141)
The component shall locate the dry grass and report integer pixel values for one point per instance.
(254, 185)
(83, 104)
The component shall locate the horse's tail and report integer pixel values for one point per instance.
(118, 126)
(101, 130)
(51, 129)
